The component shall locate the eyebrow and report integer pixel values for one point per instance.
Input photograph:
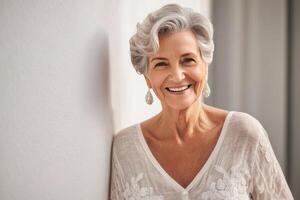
(187, 54)
(162, 58)
(158, 58)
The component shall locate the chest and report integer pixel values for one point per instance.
(183, 161)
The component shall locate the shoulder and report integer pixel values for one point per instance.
(124, 138)
(125, 132)
(246, 125)
(245, 120)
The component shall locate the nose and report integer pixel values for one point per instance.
(177, 73)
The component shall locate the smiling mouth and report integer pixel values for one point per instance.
(178, 89)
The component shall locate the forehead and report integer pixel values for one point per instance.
(176, 44)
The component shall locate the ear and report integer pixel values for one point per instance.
(147, 81)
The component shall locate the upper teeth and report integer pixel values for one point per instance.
(178, 89)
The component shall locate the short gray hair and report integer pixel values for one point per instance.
(169, 18)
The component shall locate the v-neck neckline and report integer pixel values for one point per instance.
(202, 170)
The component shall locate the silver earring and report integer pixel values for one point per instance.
(206, 90)
(149, 97)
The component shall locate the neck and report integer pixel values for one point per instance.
(184, 123)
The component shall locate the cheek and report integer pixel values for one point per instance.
(197, 74)
(157, 80)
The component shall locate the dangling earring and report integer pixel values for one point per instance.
(149, 97)
(206, 90)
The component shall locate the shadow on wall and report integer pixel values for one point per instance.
(100, 101)
(98, 77)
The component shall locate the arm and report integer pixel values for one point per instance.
(117, 177)
(268, 181)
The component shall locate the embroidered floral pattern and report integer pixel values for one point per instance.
(268, 178)
(133, 191)
(233, 186)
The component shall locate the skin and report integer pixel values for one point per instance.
(182, 136)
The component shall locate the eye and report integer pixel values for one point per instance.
(188, 61)
(160, 64)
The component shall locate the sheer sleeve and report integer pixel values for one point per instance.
(268, 180)
(117, 177)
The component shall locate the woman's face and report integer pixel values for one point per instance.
(176, 72)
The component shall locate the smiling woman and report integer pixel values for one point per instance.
(186, 151)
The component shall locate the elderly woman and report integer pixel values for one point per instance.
(189, 150)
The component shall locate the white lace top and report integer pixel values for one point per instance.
(241, 166)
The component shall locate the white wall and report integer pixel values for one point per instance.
(55, 112)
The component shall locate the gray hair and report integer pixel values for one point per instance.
(169, 18)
